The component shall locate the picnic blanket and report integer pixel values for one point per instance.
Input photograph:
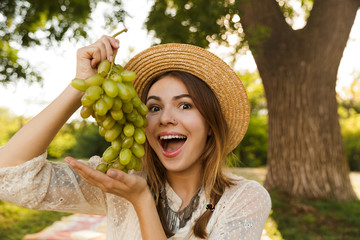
(73, 227)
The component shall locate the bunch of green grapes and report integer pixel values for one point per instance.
(111, 99)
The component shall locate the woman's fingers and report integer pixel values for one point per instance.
(107, 46)
(114, 46)
(90, 56)
(115, 181)
(87, 173)
(119, 175)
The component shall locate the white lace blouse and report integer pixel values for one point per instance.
(40, 184)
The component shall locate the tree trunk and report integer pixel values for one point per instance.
(306, 156)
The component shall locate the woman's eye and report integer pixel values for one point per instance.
(153, 108)
(185, 106)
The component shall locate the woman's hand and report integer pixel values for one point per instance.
(88, 57)
(129, 186)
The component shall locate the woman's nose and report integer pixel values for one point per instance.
(167, 117)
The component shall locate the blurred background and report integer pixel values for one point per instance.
(298, 59)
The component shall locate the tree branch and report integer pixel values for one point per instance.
(263, 13)
(330, 38)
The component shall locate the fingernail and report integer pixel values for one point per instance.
(116, 43)
(111, 58)
(111, 173)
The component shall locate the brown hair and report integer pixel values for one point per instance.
(214, 157)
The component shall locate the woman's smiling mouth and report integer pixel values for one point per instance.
(172, 144)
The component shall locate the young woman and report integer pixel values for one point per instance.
(198, 113)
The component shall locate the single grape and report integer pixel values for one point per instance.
(125, 156)
(108, 100)
(117, 165)
(116, 77)
(94, 80)
(128, 76)
(109, 122)
(136, 101)
(142, 109)
(116, 144)
(86, 102)
(117, 114)
(102, 131)
(117, 68)
(113, 133)
(101, 107)
(102, 167)
(139, 122)
(127, 107)
(132, 116)
(124, 92)
(139, 136)
(129, 129)
(132, 163)
(127, 142)
(86, 112)
(93, 92)
(131, 88)
(117, 104)
(79, 84)
(104, 67)
(110, 154)
(138, 150)
(110, 88)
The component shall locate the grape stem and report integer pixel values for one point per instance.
(116, 34)
(112, 63)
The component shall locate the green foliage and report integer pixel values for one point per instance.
(34, 22)
(252, 151)
(16, 222)
(350, 128)
(300, 219)
(88, 140)
(9, 125)
(193, 22)
(79, 139)
(62, 142)
(349, 112)
(202, 22)
(255, 91)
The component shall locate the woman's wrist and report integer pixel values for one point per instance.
(150, 224)
(143, 200)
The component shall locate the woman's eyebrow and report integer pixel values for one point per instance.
(153, 97)
(175, 97)
(181, 96)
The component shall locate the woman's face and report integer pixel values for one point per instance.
(176, 130)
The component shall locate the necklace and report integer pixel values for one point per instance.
(177, 220)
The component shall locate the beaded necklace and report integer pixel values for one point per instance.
(178, 219)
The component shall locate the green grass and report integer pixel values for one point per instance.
(16, 222)
(299, 219)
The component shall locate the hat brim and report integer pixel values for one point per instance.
(221, 78)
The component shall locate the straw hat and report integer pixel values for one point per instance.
(223, 81)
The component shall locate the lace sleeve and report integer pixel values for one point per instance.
(44, 185)
(243, 213)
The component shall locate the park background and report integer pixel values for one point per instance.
(293, 217)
